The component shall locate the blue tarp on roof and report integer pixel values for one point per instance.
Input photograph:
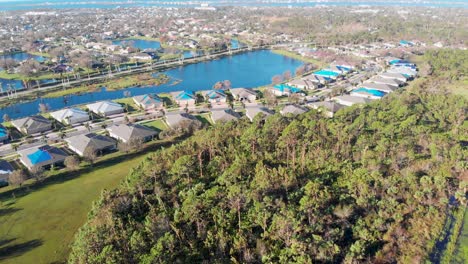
(326, 73)
(39, 156)
(371, 91)
(3, 132)
(282, 87)
(185, 96)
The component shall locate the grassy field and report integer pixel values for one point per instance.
(157, 124)
(461, 251)
(39, 224)
(319, 64)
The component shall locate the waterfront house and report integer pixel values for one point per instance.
(215, 96)
(319, 79)
(252, 112)
(42, 156)
(303, 83)
(226, 115)
(70, 116)
(184, 98)
(90, 142)
(105, 108)
(127, 133)
(178, 120)
(327, 74)
(5, 170)
(4, 134)
(328, 108)
(244, 94)
(32, 124)
(149, 101)
(293, 110)
(350, 100)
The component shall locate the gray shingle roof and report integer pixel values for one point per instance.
(224, 115)
(33, 123)
(174, 120)
(131, 131)
(293, 109)
(92, 141)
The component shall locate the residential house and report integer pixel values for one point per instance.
(70, 116)
(141, 57)
(177, 120)
(4, 134)
(42, 156)
(327, 74)
(319, 79)
(329, 108)
(225, 115)
(149, 101)
(105, 108)
(244, 94)
(5, 170)
(368, 93)
(377, 86)
(303, 83)
(252, 112)
(397, 76)
(215, 96)
(350, 100)
(284, 90)
(32, 124)
(184, 98)
(127, 133)
(90, 142)
(293, 110)
(387, 81)
(407, 72)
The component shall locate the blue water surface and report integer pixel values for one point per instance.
(251, 69)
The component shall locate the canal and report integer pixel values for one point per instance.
(251, 69)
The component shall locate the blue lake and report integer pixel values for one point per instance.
(138, 43)
(250, 69)
(22, 56)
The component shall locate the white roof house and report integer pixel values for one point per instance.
(381, 80)
(350, 100)
(105, 108)
(70, 116)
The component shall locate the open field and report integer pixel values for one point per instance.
(295, 56)
(39, 224)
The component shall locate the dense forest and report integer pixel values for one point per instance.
(370, 185)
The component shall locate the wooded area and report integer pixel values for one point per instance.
(370, 185)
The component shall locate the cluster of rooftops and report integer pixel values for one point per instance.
(397, 75)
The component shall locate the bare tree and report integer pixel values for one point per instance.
(17, 177)
(72, 163)
(37, 172)
(29, 67)
(287, 75)
(276, 79)
(43, 108)
(90, 155)
(6, 118)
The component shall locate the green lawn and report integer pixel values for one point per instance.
(461, 251)
(157, 124)
(296, 56)
(39, 225)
